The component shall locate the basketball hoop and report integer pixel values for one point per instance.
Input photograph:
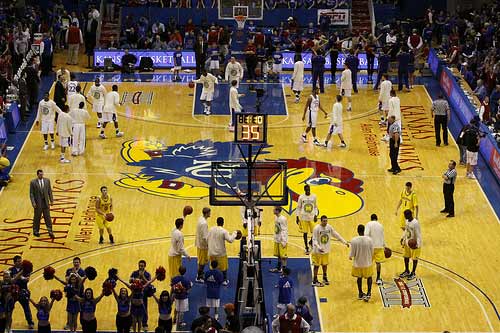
(240, 20)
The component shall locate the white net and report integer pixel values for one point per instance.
(240, 21)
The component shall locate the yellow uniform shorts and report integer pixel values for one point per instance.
(280, 251)
(378, 254)
(101, 222)
(174, 263)
(202, 255)
(362, 272)
(306, 227)
(222, 262)
(256, 231)
(411, 253)
(320, 259)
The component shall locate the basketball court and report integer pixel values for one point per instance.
(163, 163)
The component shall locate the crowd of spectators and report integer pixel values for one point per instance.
(268, 4)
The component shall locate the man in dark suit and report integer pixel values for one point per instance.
(41, 199)
(200, 51)
(60, 93)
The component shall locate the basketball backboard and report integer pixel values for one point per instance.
(228, 9)
(237, 184)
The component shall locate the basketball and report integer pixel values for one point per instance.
(387, 252)
(188, 210)
(191, 84)
(109, 217)
(412, 243)
(238, 234)
(258, 71)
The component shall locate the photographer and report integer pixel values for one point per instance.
(128, 62)
(471, 138)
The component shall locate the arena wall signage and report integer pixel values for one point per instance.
(337, 16)
(164, 59)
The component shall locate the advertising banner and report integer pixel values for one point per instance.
(164, 59)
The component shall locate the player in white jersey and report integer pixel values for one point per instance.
(362, 262)
(298, 77)
(375, 230)
(79, 116)
(234, 71)
(311, 111)
(65, 131)
(201, 243)
(346, 85)
(234, 103)
(322, 244)
(394, 110)
(336, 126)
(383, 98)
(71, 86)
(47, 110)
(111, 101)
(217, 238)
(74, 100)
(97, 92)
(280, 240)
(307, 214)
(207, 93)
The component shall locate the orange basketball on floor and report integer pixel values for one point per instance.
(412, 243)
(188, 210)
(109, 217)
(387, 252)
(191, 84)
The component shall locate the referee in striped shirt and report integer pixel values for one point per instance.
(449, 177)
(441, 113)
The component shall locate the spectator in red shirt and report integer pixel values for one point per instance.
(251, 59)
(259, 39)
(213, 36)
(189, 26)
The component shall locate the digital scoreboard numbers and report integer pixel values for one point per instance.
(250, 128)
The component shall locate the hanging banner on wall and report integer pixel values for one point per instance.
(337, 16)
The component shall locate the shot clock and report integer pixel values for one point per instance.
(250, 128)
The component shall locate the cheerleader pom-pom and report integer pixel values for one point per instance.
(48, 273)
(27, 267)
(150, 290)
(112, 273)
(136, 285)
(161, 274)
(107, 287)
(56, 294)
(91, 273)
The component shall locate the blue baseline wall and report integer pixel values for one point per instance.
(488, 173)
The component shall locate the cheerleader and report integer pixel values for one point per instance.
(165, 310)
(7, 299)
(72, 288)
(123, 316)
(88, 305)
(43, 311)
(137, 309)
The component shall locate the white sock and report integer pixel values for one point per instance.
(349, 105)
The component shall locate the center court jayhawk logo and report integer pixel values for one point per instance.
(183, 171)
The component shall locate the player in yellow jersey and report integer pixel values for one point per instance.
(408, 200)
(104, 205)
